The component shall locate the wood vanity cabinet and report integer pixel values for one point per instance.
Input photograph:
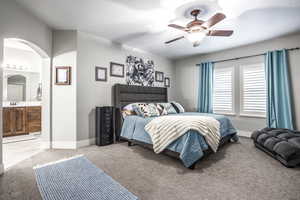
(34, 119)
(7, 122)
(21, 120)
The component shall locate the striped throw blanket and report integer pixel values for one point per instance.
(166, 129)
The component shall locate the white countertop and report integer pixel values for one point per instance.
(6, 104)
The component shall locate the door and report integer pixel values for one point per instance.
(33, 119)
(20, 120)
(7, 122)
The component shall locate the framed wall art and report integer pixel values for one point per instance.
(100, 74)
(159, 76)
(167, 82)
(139, 71)
(117, 70)
(63, 75)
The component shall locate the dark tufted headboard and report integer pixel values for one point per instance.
(126, 94)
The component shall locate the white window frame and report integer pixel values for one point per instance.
(241, 95)
(232, 113)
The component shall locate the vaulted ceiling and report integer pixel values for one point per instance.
(143, 23)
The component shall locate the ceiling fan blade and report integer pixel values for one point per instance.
(177, 27)
(179, 38)
(213, 20)
(225, 33)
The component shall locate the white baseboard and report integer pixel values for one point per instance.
(1, 169)
(244, 133)
(72, 144)
(87, 142)
(64, 144)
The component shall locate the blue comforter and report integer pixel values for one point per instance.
(190, 146)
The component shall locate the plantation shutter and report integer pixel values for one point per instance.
(253, 90)
(223, 90)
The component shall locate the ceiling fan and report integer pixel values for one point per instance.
(198, 29)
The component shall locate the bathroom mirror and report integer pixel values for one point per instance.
(16, 88)
(21, 86)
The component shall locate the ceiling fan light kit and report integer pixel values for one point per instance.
(196, 36)
(198, 29)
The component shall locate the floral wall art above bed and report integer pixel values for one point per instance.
(139, 72)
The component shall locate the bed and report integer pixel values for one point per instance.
(189, 148)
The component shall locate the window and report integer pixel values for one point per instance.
(253, 90)
(223, 90)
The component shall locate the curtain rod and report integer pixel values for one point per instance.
(242, 57)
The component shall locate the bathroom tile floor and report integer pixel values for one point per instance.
(15, 150)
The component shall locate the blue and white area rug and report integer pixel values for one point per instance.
(77, 178)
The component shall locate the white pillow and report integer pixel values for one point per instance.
(128, 110)
(128, 107)
(146, 109)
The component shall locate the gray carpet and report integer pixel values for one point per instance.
(237, 171)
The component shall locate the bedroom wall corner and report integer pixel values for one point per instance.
(96, 51)
(187, 75)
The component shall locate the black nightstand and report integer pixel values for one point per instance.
(105, 125)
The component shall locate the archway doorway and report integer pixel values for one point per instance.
(26, 101)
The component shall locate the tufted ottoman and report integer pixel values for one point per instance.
(282, 144)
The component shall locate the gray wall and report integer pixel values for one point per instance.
(187, 74)
(94, 51)
(16, 22)
(64, 96)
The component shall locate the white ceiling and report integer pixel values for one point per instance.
(143, 23)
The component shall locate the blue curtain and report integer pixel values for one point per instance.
(279, 112)
(205, 87)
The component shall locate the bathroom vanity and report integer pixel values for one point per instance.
(21, 102)
(21, 119)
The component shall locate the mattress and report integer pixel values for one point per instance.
(190, 146)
